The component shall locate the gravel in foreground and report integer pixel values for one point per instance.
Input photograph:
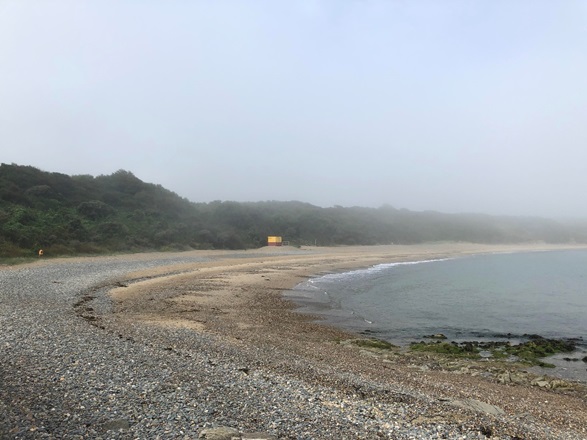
(66, 376)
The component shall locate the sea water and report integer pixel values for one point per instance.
(484, 297)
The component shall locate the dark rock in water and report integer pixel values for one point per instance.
(531, 351)
(490, 345)
(436, 336)
(537, 348)
(584, 359)
(503, 336)
(447, 348)
(532, 336)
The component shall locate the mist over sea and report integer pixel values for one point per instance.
(469, 298)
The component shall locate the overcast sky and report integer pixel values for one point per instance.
(455, 106)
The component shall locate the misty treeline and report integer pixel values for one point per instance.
(119, 213)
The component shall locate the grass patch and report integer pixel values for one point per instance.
(499, 354)
(374, 343)
(13, 261)
(530, 352)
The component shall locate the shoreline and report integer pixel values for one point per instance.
(240, 301)
(170, 345)
(308, 298)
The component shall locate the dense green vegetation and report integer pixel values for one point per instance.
(84, 214)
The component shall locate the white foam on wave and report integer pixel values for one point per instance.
(373, 269)
(359, 273)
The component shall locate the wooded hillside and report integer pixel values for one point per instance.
(84, 214)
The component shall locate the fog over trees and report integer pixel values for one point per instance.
(458, 106)
(119, 213)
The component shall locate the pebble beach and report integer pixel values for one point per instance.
(203, 344)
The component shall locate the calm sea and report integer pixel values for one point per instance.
(470, 298)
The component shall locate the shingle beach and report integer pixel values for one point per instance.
(178, 345)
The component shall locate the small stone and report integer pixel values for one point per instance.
(504, 378)
(258, 436)
(557, 383)
(220, 433)
(116, 424)
(477, 405)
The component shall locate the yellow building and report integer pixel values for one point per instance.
(273, 240)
